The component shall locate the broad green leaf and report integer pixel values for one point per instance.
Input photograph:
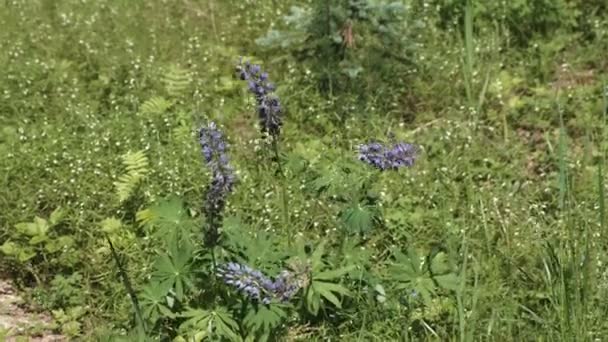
(56, 216)
(9, 248)
(26, 254)
(439, 264)
(448, 281)
(38, 227)
(38, 239)
(380, 293)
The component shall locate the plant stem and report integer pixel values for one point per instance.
(128, 286)
(284, 200)
(213, 261)
(469, 51)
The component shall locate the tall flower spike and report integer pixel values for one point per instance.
(384, 157)
(214, 150)
(252, 283)
(268, 104)
(257, 286)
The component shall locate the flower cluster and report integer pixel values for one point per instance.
(385, 157)
(255, 285)
(214, 150)
(269, 107)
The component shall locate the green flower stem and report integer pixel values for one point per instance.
(284, 199)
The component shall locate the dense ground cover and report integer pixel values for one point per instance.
(496, 232)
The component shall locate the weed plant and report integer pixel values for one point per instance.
(416, 170)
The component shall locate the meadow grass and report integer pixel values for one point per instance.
(508, 186)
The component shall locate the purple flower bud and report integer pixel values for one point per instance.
(269, 108)
(384, 158)
(255, 285)
(214, 150)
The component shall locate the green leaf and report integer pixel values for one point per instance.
(167, 215)
(9, 248)
(153, 299)
(313, 301)
(197, 323)
(155, 105)
(38, 227)
(225, 325)
(318, 287)
(439, 264)
(56, 216)
(326, 290)
(380, 293)
(110, 225)
(26, 254)
(448, 281)
(136, 165)
(61, 242)
(316, 259)
(264, 317)
(358, 219)
(174, 270)
(38, 239)
(333, 274)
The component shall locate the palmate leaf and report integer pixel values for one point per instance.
(328, 290)
(352, 254)
(167, 215)
(170, 210)
(333, 274)
(264, 318)
(154, 302)
(358, 218)
(449, 281)
(174, 268)
(321, 288)
(406, 268)
(410, 273)
(197, 324)
(201, 324)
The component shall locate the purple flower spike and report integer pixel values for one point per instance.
(257, 286)
(214, 150)
(385, 157)
(268, 104)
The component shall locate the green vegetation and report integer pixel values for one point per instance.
(497, 232)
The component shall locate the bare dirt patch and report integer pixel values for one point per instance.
(17, 320)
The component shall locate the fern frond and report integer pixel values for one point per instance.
(145, 216)
(176, 80)
(136, 165)
(155, 105)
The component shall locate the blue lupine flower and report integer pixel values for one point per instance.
(384, 157)
(248, 281)
(269, 106)
(214, 150)
(257, 286)
(285, 286)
